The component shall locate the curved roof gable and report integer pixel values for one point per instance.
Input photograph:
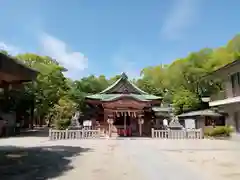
(123, 88)
(123, 85)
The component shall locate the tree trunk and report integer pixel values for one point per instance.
(31, 115)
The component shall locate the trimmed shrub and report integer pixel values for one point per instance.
(223, 131)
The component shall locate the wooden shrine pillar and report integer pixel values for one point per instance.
(140, 123)
(125, 121)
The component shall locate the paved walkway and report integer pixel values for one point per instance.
(126, 159)
(156, 164)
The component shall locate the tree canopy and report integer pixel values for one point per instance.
(179, 83)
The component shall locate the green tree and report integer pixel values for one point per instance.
(184, 100)
(50, 85)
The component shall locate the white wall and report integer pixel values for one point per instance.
(231, 109)
(228, 87)
(190, 123)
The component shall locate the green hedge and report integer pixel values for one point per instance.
(224, 131)
(62, 124)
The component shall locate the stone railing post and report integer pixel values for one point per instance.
(152, 132)
(50, 134)
(201, 133)
(66, 134)
(99, 132)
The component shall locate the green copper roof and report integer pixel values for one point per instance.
(111, 97)
(123, 88)
(122, 79)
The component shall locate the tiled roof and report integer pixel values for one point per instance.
(11, 65)
(111, 97)
(123, 77)
(162, 109)
(206, 112)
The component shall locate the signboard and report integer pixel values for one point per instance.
(190, 124)
(165, 122)
(87, 123)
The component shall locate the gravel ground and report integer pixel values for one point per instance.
(36, 158)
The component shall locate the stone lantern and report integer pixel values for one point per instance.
(174, 124)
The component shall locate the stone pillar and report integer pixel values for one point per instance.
(105, 122)
(125, 119)
(140, 123)
(110, 122)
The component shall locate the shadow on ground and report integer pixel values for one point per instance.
(36, 163)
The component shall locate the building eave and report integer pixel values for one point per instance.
(10, 65)
(220, 70)
(227, 101)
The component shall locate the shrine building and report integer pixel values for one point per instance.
(123, 109)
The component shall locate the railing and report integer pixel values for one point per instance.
(178, 134)
(73, 134)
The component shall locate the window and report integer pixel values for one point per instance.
(208, 121)
(235, 81)
(238, 78)
(220, 121)
(216, 121)
(233, 76)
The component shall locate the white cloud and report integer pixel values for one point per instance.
(180, 17)
(75, 62)
(13, 50)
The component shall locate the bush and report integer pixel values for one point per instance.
(62, 124)
(224, 131)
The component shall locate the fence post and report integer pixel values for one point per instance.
(99, 132)
(66, 134)
(201, 134)
(83, 133)
(50, 134)
(152, 132)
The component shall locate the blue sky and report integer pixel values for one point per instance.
(112, 36)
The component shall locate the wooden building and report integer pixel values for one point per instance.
(202, 119)
(123, 109)
(12, 75)
(14, 72)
